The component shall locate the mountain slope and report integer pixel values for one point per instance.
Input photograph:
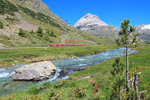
(31, 23)
(92, 23)
(39, 6)
(144, 31)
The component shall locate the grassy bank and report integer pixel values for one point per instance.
(19, 56)
(83, 84)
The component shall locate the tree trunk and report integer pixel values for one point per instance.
(127, 69)
(119, 93)
(136, 85)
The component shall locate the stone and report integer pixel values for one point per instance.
(35, 71)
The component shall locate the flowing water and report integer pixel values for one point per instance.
(7, 85)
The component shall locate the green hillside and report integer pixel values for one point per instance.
(25, 27)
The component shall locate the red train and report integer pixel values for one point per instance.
(66, 45)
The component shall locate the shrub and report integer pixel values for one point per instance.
(1, 25)
(94, 87)
(53, 95)
(47, 31)
(79, 92)
(40, 32)
(21, 33)
(32, 32)
(59, 84)
(52, 34)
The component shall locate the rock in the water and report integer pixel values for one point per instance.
(35, 71)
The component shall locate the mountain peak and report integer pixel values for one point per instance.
(90, 15)
(90, 20)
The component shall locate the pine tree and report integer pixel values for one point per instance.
(118, 69)
(32, 32)
(21, 33)
(127, 38)
(52, 34)
(1, 25)
(40, 32)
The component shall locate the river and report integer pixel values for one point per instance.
(8, 86)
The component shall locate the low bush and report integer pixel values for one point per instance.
(32, 32)
(79, 92)
(52, 34)
(21, 33)
(54, 96)
(40, 32)
(59, 84)
(1, 25)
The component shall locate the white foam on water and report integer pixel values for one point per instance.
(63, 78)
(54, 78)
(56, 75)
(12, 73)
(81, 65)
(2, 69)
(4, 75)
(81, 59)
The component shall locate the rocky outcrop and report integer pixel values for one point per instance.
(35, 71)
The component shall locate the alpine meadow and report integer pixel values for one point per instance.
(74, 50)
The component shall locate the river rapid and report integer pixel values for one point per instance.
(65, 67)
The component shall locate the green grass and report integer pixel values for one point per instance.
(18, 56)
(75, 89)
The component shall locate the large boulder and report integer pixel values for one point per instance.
(35, 71)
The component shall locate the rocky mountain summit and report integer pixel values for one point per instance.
(92, 23)
(89, 21)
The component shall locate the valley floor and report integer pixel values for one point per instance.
(94, 83)
(13, 56)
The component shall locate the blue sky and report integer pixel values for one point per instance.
(111, 12)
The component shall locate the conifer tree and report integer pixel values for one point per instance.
(127, 38)
(118, 69)
(40, 32)
(1, 25)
